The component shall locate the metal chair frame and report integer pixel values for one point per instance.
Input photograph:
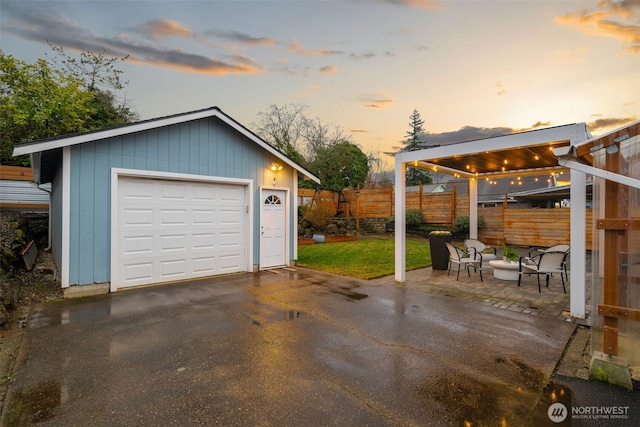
(461, 257)
(547, 262)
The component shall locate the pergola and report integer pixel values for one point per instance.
(515, 155)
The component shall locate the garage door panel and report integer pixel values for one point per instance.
(173, 217)
(229, 263)
(228, 195)
(135, 217)
(204, 265)
(173, 269)
(181, 230)
(137, 245)
(203, 193)
(141, 192)
(231, 218)
(204, 217)
(170, 191)
(173, 243)
(137, 272)
(203, 241)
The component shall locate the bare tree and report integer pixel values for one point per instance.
(291, 130)
(283, 127)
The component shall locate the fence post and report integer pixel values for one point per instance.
(453, 205)
(391, 207)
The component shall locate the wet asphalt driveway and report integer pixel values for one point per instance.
(295, 348)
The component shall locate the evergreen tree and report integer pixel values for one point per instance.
(416, 139)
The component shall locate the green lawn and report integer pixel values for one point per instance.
(364, 258)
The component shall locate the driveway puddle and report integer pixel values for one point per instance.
(34, 405)
(349, 293)
(259, 314)
(42, 318)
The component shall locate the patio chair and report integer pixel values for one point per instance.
(462, 257)
(536, 251)
(475, 247)
(547, 263)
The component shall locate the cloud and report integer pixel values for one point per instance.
(600, 126)
(162, 28)
(180, 60)
(246, 39)
(540, 125)
(365, 55)
(358, 131)
(474, 133)
(296, 47)
(374, 101)
(40, 25)
(466, 133)
(609, 20)
(328, 69)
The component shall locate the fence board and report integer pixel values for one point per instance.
(15, 173)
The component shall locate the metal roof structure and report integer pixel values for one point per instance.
(516, 155)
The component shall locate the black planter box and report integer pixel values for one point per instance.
(439, 251)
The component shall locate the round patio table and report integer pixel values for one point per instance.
(504, 270)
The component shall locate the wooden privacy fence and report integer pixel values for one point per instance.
(437, 208)
(502, 225)
(530, 226)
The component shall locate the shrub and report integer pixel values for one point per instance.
(462, 223)
(414, 218)
(319, 214)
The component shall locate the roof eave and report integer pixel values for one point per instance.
(57, 143)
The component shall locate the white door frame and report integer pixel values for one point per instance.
(118, 172)
(287, 220)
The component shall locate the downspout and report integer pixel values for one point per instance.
(35, 170)
(48, 248)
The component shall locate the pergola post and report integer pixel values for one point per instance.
(473, 208)
(400, 222)
(577, 256)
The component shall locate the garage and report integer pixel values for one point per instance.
(173, 230)
(165, 200)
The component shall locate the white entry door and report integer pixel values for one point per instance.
(273, 228)
(169, 230)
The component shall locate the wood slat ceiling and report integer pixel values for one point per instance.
(506, 160)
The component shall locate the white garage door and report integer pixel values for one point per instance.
(176, 230)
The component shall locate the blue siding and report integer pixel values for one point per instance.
(203, 147)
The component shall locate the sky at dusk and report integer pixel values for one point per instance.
(471, 68)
